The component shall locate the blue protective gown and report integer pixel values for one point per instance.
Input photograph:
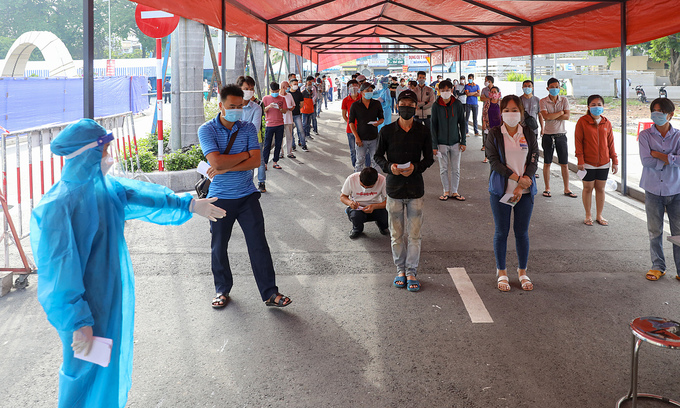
(85, 275)
(386, 103)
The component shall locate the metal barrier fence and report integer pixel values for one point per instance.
(18, 152)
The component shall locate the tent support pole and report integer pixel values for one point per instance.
(224, 43)
(532, 54)
(254, 66)
(442, 65)
(88, 59)
(430, 57)
(266, 60)
(624, 94)
(487, 56)
(460, 60)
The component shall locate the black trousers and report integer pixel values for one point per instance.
(359, 218)
(248, 213)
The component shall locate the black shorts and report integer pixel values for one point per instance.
(596, 174)
(555, 142)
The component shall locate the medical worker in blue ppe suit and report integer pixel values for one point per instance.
(382, 94)
(85, 279)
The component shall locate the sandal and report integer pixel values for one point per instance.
(413, 282)
(588, 221)
(526, 283)
(602, 222)
(503, 283)
(443, 197)
(654, 275)
(400, 281)
(546, 193)
(219, 301)
(571, 195)
(276, 166)
(283, 301)
(485, 160)
(458, 197)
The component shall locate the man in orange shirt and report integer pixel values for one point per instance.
(307, 109)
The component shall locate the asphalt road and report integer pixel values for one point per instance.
(350, 339)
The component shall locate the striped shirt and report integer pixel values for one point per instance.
(214, 137)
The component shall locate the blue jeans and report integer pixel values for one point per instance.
(275, 133)
(297, 120)
(248, 213)
(314, 124)
(352, 149)
(365, 155)
(261, 172)
(306, 119)
(501, 218)
(474, 110)
(655, 207)
(406, 256)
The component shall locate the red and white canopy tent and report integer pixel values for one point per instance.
(330, 32)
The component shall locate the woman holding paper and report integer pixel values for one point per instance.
(513, 155)
(595, 153)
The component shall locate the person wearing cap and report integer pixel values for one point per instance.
(275, 106)
(426, 98)
(361, 79)
(404, 152)
(85, 277)
(365, 116)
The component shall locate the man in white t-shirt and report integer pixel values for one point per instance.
(365, 196)
(288, 121)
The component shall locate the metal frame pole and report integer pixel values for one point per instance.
(267, 62)
(487, 56)
(224, 42)
(460, 60)
(159, 100)
(88, 59)
(532, 54)
(624, 116)
(442, 65)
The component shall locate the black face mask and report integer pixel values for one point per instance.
(407, 112)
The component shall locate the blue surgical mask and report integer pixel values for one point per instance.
(554, 91)
(232, 115)
(275, 94)
(368, 95)
(596, 110)
(470, 81)
(528, 91)
(659, 118)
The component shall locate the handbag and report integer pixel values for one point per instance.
(202, 186)
(529, 121)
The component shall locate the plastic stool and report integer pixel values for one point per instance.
(643, 126)
(659, 332)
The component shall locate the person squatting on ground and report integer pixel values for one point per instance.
(448, 139)
(85, 278)
(232, 183)
(595, 152)
(513, 156)
(404, 152)
(365, 196)
(365, 115)
(555, 112)
(660, 156)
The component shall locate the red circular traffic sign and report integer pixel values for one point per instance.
(155, 23)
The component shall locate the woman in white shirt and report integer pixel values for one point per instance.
(513, 155)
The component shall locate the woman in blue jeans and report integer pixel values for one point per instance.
(513, 153)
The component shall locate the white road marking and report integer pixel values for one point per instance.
(473, 303)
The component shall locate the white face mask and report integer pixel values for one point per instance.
(248, 95)
(511, 118)
(446, 94)
(294, 88)
(107, 163)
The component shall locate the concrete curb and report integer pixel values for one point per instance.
(177, 181)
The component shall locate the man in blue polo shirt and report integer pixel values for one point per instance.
(471, 104)
(232, 184)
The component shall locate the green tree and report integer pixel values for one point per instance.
(667, 49)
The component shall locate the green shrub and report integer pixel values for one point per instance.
(211, 109)
(148, 162)
(185, 159)
(515, 77)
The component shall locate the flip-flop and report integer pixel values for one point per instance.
(546, 193)
(276, 166)
(400, 281)
(588, 222)
(218, 302)
(525, 281)
(443, 197)
(503, 279)
(283, 301)
(410, 282)
(603, 222)
(571, 194)
(458, 197)
(654, 275)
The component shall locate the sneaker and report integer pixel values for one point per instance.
(294, 148)
(261, 188)
(305, 149)
(385, 231)
(354, 234)
(316, 133)
(310, 137)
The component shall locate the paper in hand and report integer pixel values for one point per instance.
(100, 353)
(203, 169)
(373, 122)
(438, 155)
(506, 200)
(404, 166)
(581, 174)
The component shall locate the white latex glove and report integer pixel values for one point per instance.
(205, 208)
(82, 340)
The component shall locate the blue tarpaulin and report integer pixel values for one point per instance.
(31, 102)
